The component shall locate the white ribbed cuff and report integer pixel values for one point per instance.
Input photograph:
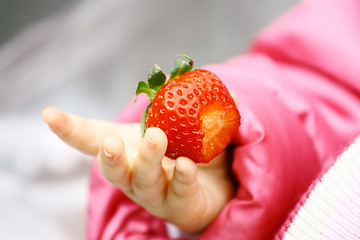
(332, 210)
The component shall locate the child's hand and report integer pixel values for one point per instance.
(182, 192)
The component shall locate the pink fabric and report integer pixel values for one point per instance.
(299, 97)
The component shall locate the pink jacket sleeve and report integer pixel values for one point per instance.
(299, 97)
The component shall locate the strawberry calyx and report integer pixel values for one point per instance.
(157, 78)
(180, 67)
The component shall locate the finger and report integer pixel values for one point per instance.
(168, 165)
(114, 164)
(234, 96)
(58, 121)
(184, 184)
(83, 134)
(149, 178)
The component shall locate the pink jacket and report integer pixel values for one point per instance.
(299, 97)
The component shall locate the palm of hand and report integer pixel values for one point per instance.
(182, 192)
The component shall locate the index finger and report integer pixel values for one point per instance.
(80, 133)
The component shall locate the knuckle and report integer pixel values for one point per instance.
(146, 158)
(142, 186)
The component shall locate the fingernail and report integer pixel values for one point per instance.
(108, 155)
(110, 160)
(149, 143)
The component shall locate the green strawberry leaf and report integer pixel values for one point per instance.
(156, 78)
(181, 66)
(143, 119)
(143, 87)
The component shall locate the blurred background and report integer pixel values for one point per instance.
(86, 57)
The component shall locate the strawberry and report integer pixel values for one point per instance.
(194, 109)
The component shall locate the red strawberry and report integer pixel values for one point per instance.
(193, 108)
